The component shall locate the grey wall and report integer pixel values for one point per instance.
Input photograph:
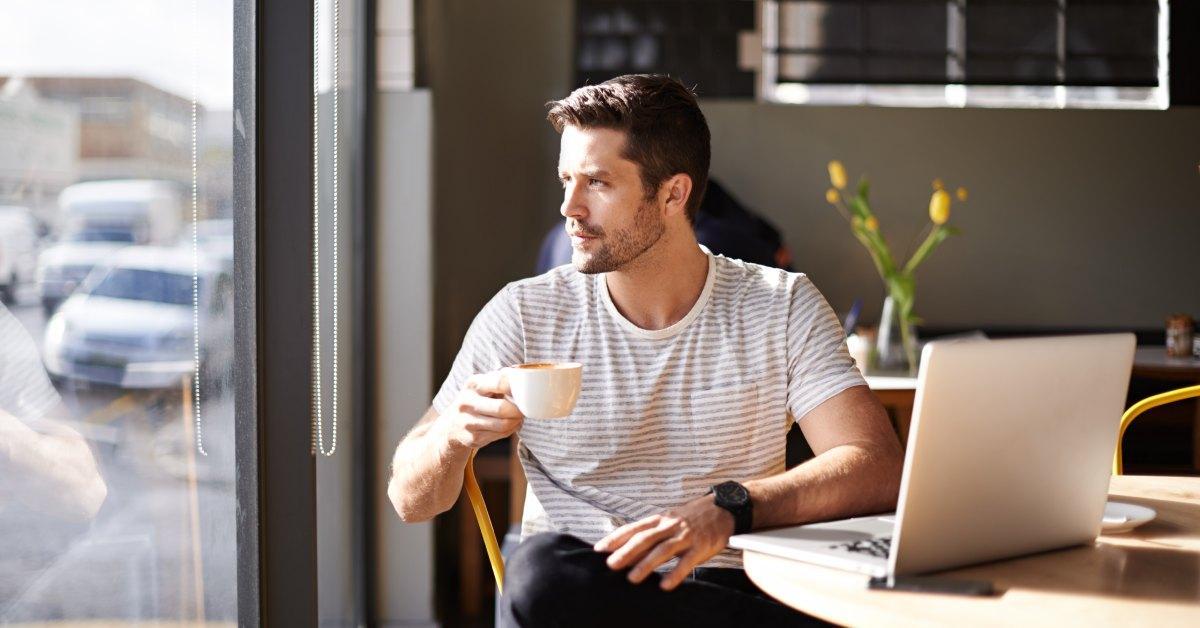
(492, 66)
(404, 353)
(1075, 218)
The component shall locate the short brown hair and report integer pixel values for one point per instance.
(665, 131)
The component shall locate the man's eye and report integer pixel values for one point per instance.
(595, 183)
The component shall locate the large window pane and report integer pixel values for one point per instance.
(116, 334)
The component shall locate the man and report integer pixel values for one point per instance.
(694, 367)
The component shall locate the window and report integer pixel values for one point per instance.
(1039, 53)
(117, 405)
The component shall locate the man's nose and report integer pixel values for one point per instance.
(573, 205)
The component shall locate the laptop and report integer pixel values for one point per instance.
(1009, 453)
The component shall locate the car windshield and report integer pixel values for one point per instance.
(99, 236)
(145, 285)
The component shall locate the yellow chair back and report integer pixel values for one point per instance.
(1142, 406)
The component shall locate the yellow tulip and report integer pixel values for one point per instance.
(872, 223)
(938, 185)
(961, 193)
(837, 174)
(939, 207)
(831, 196)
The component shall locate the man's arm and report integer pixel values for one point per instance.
(856, 471)
(52, 472)
(428, 466)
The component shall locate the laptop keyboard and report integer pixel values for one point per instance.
(877, 547)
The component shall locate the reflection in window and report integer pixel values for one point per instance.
(109, 512)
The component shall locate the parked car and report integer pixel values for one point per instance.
(62, 267)
(130, 323)
(149, 209)
(18, 250)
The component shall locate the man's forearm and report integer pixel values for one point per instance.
(847, 480)
(427, 474)
(54, 473)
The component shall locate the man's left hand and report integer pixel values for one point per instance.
(695, 532)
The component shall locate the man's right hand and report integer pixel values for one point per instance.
(480, 414)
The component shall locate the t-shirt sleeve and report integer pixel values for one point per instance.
(494, 340)
(25, 390)
(819, 365)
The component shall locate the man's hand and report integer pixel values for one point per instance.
(695, 532)
(480, 414)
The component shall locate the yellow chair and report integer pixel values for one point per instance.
(1142, 406)
(471, 485)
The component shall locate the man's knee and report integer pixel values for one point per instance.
(549, 578)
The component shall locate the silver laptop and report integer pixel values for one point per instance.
(1009, 453)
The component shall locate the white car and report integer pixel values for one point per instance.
(130, 323)
(63, 266)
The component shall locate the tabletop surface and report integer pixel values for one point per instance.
(1150, 576)
(1156, 357)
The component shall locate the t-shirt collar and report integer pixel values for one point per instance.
(666, 332)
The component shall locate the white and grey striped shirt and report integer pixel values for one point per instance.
(663, 414)
(25, 390)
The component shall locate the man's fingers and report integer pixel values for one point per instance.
(493, 384)
(479, 405)
(639, 544)
(484, 425)
(661, 553)
(686, 564)
(618, 537)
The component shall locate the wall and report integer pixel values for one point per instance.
(1075, 218)
(492, 66)
(404, 350)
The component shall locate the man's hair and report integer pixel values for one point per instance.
(665, 131)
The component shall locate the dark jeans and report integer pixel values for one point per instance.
(558, 580)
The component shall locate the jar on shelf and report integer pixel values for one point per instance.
(1179, 335)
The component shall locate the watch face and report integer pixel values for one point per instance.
(732, 493)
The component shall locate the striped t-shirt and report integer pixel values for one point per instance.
(663, 414)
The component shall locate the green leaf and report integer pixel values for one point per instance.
(863, 188)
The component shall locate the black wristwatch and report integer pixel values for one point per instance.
(736, 499)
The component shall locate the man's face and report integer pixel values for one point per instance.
(609, 217)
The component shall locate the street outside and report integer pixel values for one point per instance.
(163, 546)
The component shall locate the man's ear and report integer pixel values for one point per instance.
(676, 192)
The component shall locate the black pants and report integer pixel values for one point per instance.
(558, 580)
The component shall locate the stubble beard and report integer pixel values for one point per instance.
(624, 245)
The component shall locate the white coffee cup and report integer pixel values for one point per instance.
(545, 390)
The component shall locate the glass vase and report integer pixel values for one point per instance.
(896, 344)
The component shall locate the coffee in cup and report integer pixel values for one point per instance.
(545, 390)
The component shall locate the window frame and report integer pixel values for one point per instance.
(276, 472)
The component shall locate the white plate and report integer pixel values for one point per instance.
(1122, 517)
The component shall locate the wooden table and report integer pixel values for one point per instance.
(1147, 577)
